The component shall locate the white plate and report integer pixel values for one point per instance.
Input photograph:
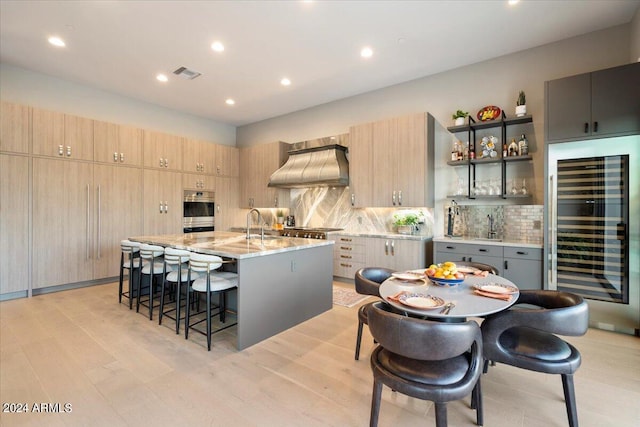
(421, 301)
(467, 270)
(497, 288)
(408, 275)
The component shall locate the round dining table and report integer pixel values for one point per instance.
(466, 302)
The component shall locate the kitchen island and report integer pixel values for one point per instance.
(282, 281)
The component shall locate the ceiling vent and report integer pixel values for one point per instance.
(186, 73)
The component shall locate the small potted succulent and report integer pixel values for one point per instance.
(406, 223)
(459, 117)
(521, 105)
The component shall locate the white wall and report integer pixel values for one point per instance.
(47, 92)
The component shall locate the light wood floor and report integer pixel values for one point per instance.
(117, 368)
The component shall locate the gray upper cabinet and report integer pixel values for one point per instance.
(600, 104)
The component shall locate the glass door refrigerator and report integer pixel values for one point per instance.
(592, 222)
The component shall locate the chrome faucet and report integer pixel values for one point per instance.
(491, 234)
(260, 222)
(453, 210)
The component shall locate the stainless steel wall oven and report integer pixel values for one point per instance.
(198, 211)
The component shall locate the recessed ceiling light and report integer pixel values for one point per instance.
(512, 2)
(162, 78)
(285, 82)
(366, 52)
(57, 41)
(230, 101)
(217, 46)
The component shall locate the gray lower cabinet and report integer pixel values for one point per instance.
(521, 265)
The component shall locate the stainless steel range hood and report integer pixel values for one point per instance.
(316, 163)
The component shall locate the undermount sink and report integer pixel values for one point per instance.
(487, 239)
(266, 237)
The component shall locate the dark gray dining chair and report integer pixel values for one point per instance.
(367, 282)
(428, 360)
(525, 337)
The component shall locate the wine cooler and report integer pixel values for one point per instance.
(593, 223)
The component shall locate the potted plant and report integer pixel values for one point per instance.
(521, 105)
(459, 117)
(406, 223)
(280, 216)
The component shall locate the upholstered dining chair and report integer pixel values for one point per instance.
(525, 337)
(367, 282)
(428, 360)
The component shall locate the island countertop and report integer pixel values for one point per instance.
(231, 245)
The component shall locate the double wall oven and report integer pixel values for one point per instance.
(198, 211)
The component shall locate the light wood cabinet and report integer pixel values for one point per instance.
(354, 252)
(199, 157)
(361, 165)
(227, 160)
(397, 254)
(162, 202)
(257, 163)
(349, 255)
(15, 125)
(191, 181)
(593, 105)
(62, 135)
(162, 151)
(398, 160)
(227, 202)
(117, 144)
(118, 214)
(14, 223)
(63, 219)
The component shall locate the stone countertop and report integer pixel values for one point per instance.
(379, 235)
(496, 242)
(231, 245)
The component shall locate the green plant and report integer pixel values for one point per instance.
(406, 219)
(280, 213)
(458, 114)
(522, 100)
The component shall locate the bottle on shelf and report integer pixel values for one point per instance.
(505, 150)
(523, 146)
(513, 148)
(465, 154)
(454, 152)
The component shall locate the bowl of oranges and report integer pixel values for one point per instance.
(444, 274)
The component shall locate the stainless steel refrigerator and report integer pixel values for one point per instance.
(592, 221)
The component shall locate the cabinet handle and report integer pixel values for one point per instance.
(121, 157)
(275, 202)
(346, 248)
(595, 126)
(88, 214)
(115, 157)
(166, 163)
(345, 265)
(344, 239)
(451, 247)
(522, 253)
(470, 259)
(346, 256)
(166, 207)
(393, 248)
(393, 198)
(400, 197)
(586, 127)
(353, 199)
(386, 247)
(68, 151)
(218, 170)
(482, 250)
(60, 150)
(161, 207)
(464, 258)
(161, 161)
(99, 220)
(506, 264)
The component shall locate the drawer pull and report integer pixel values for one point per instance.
(346, 248)
(345, 265)
(483, 250)
(346, 256)
(343, 239)
(522, 253)
(450, 247)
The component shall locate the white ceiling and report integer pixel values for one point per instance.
(120, 46)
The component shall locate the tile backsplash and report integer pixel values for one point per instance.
(521, 223)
